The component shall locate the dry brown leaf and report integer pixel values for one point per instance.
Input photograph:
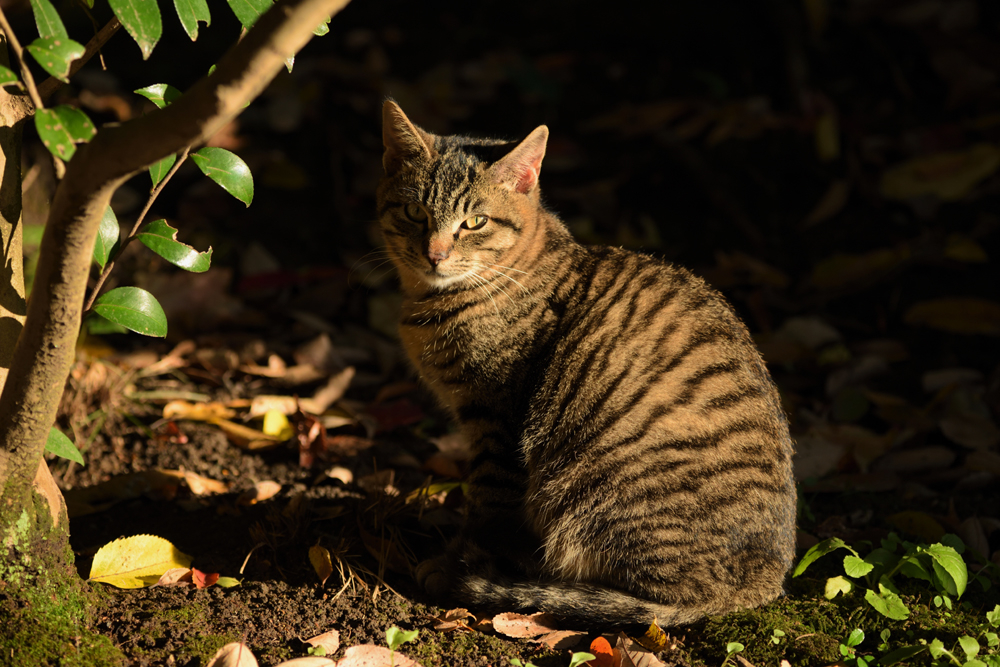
(332, 391)
(368, 655)
(235, 654)
(561, 640)
(329, 640)
(949, 176)
(260, 492)
(971, 430)
(966, 315)
(339, 472)
(743, 662)
(917, 460)
(322, 562)
(197, 411)
(634, 655)
(830, 204)
(175, 576)
(521, 625)
(203, 486)
(382, 481)
(453, 619)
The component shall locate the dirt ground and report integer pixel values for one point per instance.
(830, 166)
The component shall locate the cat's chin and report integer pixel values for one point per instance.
(441, 282)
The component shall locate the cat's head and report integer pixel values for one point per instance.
(455, 210)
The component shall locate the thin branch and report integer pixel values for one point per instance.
(29, 81)
(52, 84)
(153, 194)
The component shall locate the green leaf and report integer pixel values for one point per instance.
(7, 76)
(55, 54)
(226, 169)
(915, 569)
(856, 637)
(160, 94)
(580, 658)
(888, 604)
(323, 29)
(159, 170)
(969, 645)
(818, 551)
(836, 585)
(47, 19)
(248, 11)
(734, 647)
(953, 541)
(975, 663)
(992, 639)
(190, 12)
(62, 446)
(937, 648)
(855, 567)
(883, 558)
(107, 238)
(141, 19)
(133, 308)
(395, 637)
(227, 582)
(900, 654)
(161, 238)
(99, 326)
(994, 616)
(61, 128)
(950, 568)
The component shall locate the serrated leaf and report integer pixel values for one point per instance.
(62, 446)
(107, 239)
(227, 582)
(226, 169)
(818, 551)
(161, 238)
(159, 170)
(135, 562)
(837, 585)
(969, 645)
(900, 654)
(855, 567)
(56, 54)
(160, 94)
(141, 19)
(7, 76)
(47, 19)
(947, 561)
(190, 12)
(248, 11)
(133, 308)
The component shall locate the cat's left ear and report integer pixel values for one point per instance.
(519, 169)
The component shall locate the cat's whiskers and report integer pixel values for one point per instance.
(484, 286)
(483, 266)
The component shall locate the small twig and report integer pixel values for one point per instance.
(29, 81)
(153, 194)
(52, 84)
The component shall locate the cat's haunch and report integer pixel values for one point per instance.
(632, 459)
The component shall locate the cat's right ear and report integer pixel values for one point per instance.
(404, 142)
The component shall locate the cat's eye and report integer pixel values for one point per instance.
(476, 222)
(415, 212)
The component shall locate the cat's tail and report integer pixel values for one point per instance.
(580, 605)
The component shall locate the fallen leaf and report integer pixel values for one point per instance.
(949, 176)
(604, 654)
(655, 639)
(245, 437)
(453, 619)
(276, 424)
(520, 625)
(917, 523)
(203, 486)
(260, 492)
(136, 562)
(560, 640)
(329, 640)
(308, 661)
(203, 579)
(339, 472)
(175, 576)
(965, 315)
(917, 460)
(401, 412)
(233, 655)
(634, 655)
(842, 270)
(368, 655)
(332, 391)
(321, 561)
(197, 411)
(829, 205)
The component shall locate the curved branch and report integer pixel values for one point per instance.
(46, 347)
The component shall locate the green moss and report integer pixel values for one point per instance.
(206, 646)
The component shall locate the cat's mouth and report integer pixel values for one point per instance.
(440, 277)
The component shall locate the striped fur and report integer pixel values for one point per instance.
(632, 459)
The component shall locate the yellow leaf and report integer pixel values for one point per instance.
(655, 639)
(135, 562)
(321, 562)
(244, 436)
(949, 176)
(276, 424)
(920, 524)
(196, 411)
(968, 315)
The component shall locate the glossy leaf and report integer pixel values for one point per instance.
(7, 76)
(133, 308)
(161, 238)
(159, 170)
(248, 11)
(47, 19)
(950, 568)
(60, 445)
(55, 54)
(190, 12)
(228, 170)
(141, 19)
(107, 240)
(53, 134)
(818, 551)
(77, 124)
(160, 94)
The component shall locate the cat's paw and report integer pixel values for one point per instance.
(432, 576)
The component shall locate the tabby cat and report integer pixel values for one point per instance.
(631, 456)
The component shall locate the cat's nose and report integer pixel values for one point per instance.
(436, 256)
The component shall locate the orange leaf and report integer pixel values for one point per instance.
(203, 579)
(601, 648)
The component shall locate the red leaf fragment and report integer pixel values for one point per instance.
(203, 579)
(604, 654)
